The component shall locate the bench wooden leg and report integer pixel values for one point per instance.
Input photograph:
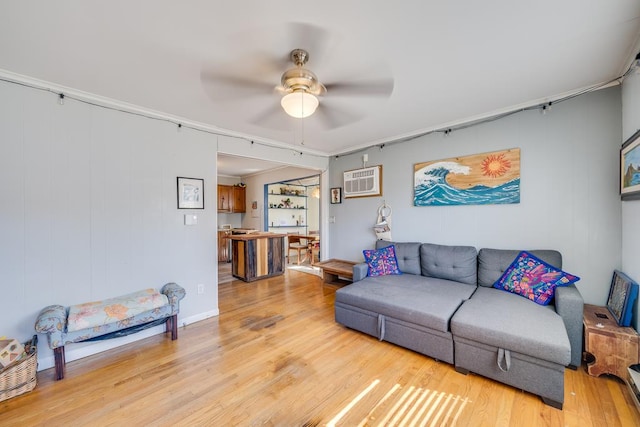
(172, 325)
(58, 354)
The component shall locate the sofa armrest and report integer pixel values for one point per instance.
(360, 271)
(570, 306)
(52, 321)
(174, 293)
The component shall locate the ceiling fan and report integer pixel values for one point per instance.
(302, 94)
(300, 87)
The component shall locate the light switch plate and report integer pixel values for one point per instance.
(190, 219)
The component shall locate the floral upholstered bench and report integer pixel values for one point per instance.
(110, 318)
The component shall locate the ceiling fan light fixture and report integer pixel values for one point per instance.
(299, 104)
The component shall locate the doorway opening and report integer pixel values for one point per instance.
(292, 207)
(253, 174)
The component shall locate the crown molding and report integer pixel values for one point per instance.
(56, 89)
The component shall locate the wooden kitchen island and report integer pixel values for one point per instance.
(257, 255)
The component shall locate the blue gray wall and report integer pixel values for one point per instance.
(88, 205)
(89, 209)
(569, 190)
(631, 209)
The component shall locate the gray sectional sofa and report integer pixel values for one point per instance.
(444, 306)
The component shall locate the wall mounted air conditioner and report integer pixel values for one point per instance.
(365, 182)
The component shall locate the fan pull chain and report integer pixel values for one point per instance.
(302, 124)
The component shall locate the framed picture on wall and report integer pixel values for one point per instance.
(478, 179)
(336, 195)
(630, 168)
(190, 193)
(622, 296)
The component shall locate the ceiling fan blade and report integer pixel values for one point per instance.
(227, 87)
(240, 82)
(262, 63)
(331, 117)
(274, 118)
(382, 87)
(251, 74)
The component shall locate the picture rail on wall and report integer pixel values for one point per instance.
(190, 193)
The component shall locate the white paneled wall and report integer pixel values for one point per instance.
(569, 190)
(88, 208)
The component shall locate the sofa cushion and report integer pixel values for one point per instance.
(492, 263)
(407, 255)
(415, 299)
(457, 263)
(508, 321)
(98, 313)
(534, 279)
(112, 327)
(381, 262)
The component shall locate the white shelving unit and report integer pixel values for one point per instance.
(286, 208)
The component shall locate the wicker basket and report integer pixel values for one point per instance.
(20, 376)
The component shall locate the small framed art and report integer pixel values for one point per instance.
(190, 193)
(622, 296)
(630, 168)
(336, 195)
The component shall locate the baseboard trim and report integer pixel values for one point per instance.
(198, 317)
(80, 350)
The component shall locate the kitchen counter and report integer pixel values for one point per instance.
(224, 241)
(243, 230)
(256, 235)
(257, 255)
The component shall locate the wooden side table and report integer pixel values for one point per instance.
(610, 349)
(333, 268)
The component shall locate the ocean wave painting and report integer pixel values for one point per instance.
(481, 179)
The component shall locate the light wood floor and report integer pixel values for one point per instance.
(224, 272)
(276, 357)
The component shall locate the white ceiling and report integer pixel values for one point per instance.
(236, 166)
(448, 61)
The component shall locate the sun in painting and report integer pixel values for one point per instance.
(495, 165)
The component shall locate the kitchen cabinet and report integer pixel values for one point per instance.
(232, 199)
(239, 199)
(224, 198)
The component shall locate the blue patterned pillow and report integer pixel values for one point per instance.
(533, 278)
(382, 262)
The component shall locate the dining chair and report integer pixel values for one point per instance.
(314, 250)
(295, 243)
